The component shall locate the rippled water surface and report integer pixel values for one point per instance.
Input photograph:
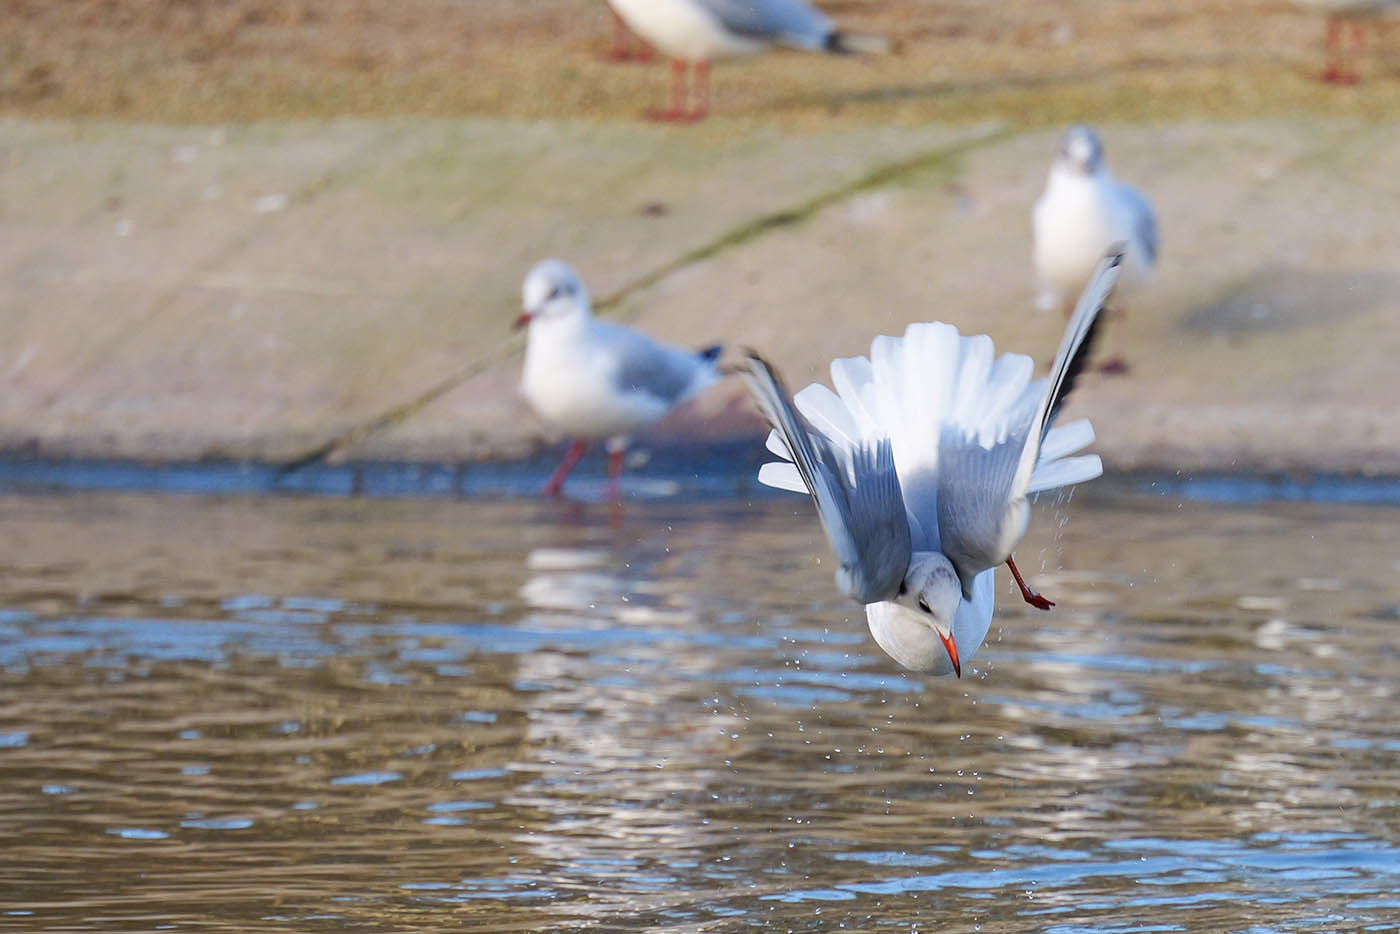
(294, 714)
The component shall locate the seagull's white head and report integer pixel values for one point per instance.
(552, 291)
(1081, 150)
(923, 639)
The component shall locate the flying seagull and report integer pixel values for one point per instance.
(920, 465)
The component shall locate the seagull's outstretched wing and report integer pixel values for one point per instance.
(982, 489)
(856, 490)
(1070, 360)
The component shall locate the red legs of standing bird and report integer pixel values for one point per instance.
(621, 50)
(555, 486)
(677, 112)
(615, 463)
(701, 91)
(1338, 69)
(1030, 596)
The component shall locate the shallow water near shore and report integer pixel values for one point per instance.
(251, 713)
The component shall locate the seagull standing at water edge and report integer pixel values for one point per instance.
(920, 464)
(1084, 211)
(595, 380)
(692, 32)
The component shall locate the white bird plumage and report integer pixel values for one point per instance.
(1082, 212)
(694, 32)
(964, 438)
(595, 380)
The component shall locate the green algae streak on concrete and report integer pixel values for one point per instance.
(287, 292)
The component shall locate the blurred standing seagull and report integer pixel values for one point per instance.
(1082, 212)
(593, 379)
(692, 32)
(920, 464)
(1339, 69)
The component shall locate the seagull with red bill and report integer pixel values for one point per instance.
(595, 380)
(920, 465)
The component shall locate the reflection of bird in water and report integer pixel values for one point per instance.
(620, 743)
(692, 32)
(623, 38)
(920, 465)
(596, 380)
(1082, 212)
(1339, 69)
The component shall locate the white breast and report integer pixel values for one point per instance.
(1075, 221)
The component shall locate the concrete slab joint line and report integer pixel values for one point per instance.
(882, 175)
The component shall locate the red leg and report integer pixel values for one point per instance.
(1338, 70)
(702, 91)
(1030, 596)
(677, 112)
(621, 50)
(615, 464)
(556, 482)
(627, 46)
(1329, 70)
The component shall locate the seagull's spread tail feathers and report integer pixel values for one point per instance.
(913, 389)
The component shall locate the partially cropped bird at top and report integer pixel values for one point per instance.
(1081, 213)
(920, 465)
(1340, 69)
(595, 380)
(694, 32)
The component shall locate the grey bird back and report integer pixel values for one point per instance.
(772, 20)
(662, 372)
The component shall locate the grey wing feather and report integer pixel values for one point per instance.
(975, 490)
(663, 372)
(1144, 222)
(860, 504)
(979, 488)
(878, 523)
(773, 20)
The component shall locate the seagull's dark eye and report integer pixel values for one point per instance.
(555, 293)
(923, 605)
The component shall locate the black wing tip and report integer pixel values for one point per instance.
(1079, 362)
(712, 353)
(836, 44)
(755, 360)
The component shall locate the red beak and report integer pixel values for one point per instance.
(521, 320)
(952, 648)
